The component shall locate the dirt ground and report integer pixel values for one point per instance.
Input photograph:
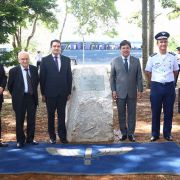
(143, 129)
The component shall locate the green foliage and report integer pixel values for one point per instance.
(175, 8)
(168, 3)
(172, 44)
(18, 14)
(111, 33)
(174, 14)
(92, 14)
(42, 9)
(136, 18)
(9, 58)
(10, 14)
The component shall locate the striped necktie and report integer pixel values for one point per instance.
(29, 82)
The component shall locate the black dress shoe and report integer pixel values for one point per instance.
(52, 141)
(154, 138)
(131, 138)
(2, 144)
(168, 138)
(32, 142)
(123, 137)
(64, 141)
(20, 145)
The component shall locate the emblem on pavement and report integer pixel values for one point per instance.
(88, 155)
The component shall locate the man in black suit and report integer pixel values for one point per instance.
(56, 83)
(22, 84)
(3, 81)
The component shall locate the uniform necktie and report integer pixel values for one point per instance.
(126, 65)
(56, 61)
(29, 82)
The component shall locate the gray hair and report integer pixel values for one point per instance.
(22, 52)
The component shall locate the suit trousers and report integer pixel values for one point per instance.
(28, 106)
(0, 118)
(56, 103)
(127, 127)
(162, 95)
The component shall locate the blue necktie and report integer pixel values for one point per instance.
(56, 61)
(126, 65)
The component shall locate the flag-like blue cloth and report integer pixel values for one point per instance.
(90, 159)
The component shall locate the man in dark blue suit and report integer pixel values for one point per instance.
(22, 85)
(3, 81)
(56, 83)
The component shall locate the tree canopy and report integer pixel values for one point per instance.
(16, 15)
(11, 14)
(92, 14)
(174, 8)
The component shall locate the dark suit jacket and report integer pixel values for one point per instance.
(3, 81)
(53, 82)
(16, 85)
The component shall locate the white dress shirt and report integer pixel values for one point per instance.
(59, 60)
(128, 60)
(162, 67)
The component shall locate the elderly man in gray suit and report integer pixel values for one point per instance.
(126, 85)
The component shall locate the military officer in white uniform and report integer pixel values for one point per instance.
(162, 69)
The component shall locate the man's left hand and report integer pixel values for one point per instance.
(139, 95)
(69, 97)
(1, 90)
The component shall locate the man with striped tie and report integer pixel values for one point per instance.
(22, 85)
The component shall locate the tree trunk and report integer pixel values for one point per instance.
(32, 33)
(64, 22)
(151, 26)
(144, 35)
(20, 36)
(14, 42)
